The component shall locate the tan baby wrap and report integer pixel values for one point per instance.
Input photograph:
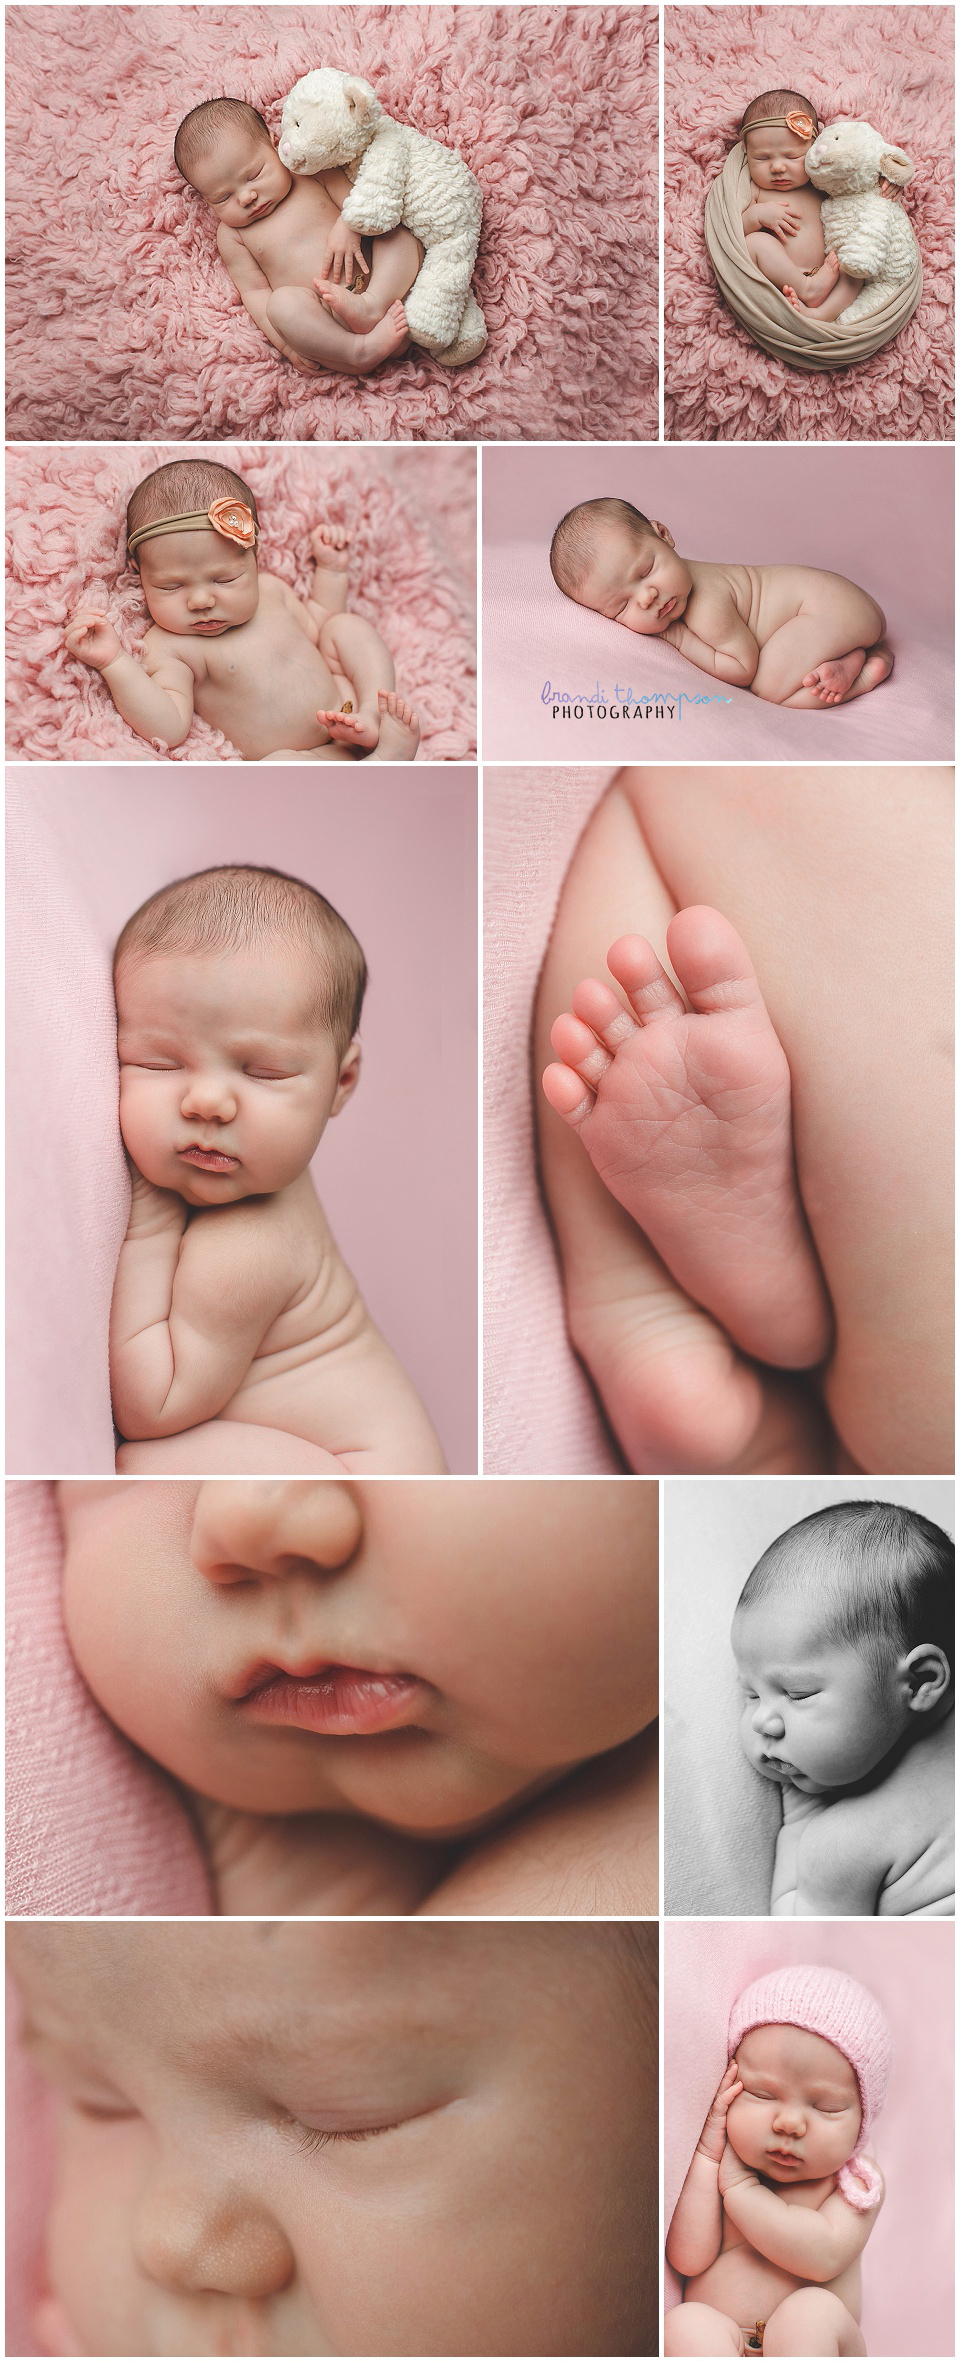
(795, 337)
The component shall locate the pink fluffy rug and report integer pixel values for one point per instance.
(893, 66)
(412, 517)
(121, 320)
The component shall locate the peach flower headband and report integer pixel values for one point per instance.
(232, 518)
(795, 122)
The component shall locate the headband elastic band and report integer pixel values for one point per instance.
(800, 124)
(231, 518)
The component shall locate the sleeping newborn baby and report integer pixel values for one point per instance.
(843, 1637)
(238, 1338)
(288, 253)
(782, 223)
(284, 678)
(794, 635)
(354, 1680)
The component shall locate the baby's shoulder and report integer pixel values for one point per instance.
(160, 647)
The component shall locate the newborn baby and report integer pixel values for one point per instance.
(280, 2139)
(793, 634)
(287, 251)
(782, 2196)
(843, 1637)
(236, 1327)
(389, 1697)
(284, 678)
(782, 224)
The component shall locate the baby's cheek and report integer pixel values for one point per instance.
(90, 2259)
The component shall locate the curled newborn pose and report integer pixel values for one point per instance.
(236, 1327)
(289, 254)
(843, 1637)
(794, 635)
(782, 2194)
(392, 1697)
(284, 678)
(782, 223)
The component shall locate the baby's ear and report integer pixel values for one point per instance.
(348, 1076)
(896, 167)
(662, 530)
(361, 98)
(927, 1674)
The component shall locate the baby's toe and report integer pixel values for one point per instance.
(603, 1012)
(579, 1048)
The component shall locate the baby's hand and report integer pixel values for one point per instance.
(91, 636)
(777, 214)
(153, 1211)
(327, 541)
(714, 2135)
(341, 254)
(732, 2171)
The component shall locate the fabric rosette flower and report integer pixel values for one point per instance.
(234, 520)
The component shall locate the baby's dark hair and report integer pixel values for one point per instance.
(778, 102)
(221, 909)
(882, 1574)
(181, 489)
(201, 129)
(574, 543)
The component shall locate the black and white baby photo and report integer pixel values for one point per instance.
(808, 1683)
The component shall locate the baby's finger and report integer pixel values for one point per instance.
(362, 262)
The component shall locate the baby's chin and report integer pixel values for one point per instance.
(432, 1804)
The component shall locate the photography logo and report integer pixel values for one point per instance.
(623, 703)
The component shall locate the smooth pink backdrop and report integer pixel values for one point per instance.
(908, 2264)
(396, 853)
(881, 516)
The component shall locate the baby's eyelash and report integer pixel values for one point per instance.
(310, 2137)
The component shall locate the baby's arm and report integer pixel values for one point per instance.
(776, 214)
(816, 2243)
(191, 1303)
(254, 289)
(844, 1859)
(344, 249)
(731, 652)
(696, 2231)
(155, 696)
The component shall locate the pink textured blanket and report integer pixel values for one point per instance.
(907, 2266)
(122, 321)
(540, 1414)
(412, 518)
(891, 66)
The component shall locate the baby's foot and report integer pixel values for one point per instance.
(359, 730)
(353, 310)
(832, 679)
(821, 283)
(685, 1115)
(389, 336)
(877, 667)
(328, 542)
(399, 729)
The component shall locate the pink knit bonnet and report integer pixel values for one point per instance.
(823, 2001)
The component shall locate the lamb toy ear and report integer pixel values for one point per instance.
(361, 98)
(896, 167)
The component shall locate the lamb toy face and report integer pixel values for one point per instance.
(333, 116)
(848, 158)
(333, 120)
(871, 235)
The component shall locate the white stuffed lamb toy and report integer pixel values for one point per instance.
(332, 119)
(871, 235)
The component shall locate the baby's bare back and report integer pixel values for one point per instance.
(289, 243)
(766, 597)
(743, 2284)
(322, 1370)
(264, 682)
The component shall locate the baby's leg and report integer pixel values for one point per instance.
(700, 2329)
(227, 1447)
(817, 657)
(859, 1004)
(810, 287)
(353, 646)
(395, 261)
(812, 2321)
(843, 292)
(297, 314)
(678, 1395)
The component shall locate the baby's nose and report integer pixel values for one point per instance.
(210, 1098)
(191, 2237)
(768, 1720)
(789, 2117)
(276, 1529)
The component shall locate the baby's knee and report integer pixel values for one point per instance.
(285, 310)
(812, 2321)
(699, 2329)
